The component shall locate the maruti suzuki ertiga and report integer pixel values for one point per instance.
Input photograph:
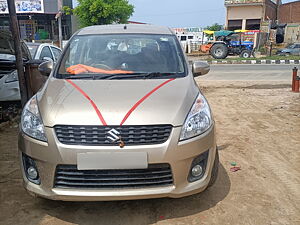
(120, 117)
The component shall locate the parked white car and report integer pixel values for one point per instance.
(9, 85)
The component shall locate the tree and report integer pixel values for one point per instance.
(214, 27)
(99, 12)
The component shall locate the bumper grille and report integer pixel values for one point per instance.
(157, 175)
(97, 135)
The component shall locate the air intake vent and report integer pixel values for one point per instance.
(97, 135)
(157, 175)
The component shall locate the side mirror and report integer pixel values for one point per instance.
(200, 68)
(45, 68)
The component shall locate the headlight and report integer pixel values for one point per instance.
(31, 121)
(12, 77)
(198, 120)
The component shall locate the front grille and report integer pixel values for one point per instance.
(157, 175)
(97, 135)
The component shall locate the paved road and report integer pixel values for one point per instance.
(250, 72)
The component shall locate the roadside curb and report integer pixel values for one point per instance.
(262, 62)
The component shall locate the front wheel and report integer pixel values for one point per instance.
(245, 54)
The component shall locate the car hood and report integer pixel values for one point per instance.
(60, 103)
(7, 45)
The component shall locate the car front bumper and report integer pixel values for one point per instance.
(179, 155)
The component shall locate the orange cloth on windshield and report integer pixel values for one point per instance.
(80, 68)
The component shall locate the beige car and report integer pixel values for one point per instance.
(120, 117)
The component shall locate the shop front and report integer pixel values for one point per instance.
(37, 19)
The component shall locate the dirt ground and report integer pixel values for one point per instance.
(258, 126)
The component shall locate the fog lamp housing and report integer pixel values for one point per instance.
(198, 167)
(197, 170)
(30, 169)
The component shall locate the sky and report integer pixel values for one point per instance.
(180, 13)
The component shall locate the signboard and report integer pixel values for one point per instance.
(250, 35)
(24, 6)
(188, 30)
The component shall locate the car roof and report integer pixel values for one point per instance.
(41, 44)
(32, 44)
(125, 29)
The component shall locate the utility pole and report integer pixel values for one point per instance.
(14, 27)
(59, 4)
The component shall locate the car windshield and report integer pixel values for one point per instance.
(32, 49)
(122, 56)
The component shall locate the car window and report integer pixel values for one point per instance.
(56, 53)
(32, 49)
(46, 53)
(297, 46)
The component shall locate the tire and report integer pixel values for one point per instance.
(215, 170)
(245, 54)
(219, 51)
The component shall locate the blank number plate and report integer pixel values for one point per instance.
(112, 160)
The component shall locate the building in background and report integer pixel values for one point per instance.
(135, 22)
(37, 19)
(190, 38)
(289, 13)
(249, 14)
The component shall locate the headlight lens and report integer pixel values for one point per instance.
(12, 77)
(31, 121)
(198, 120)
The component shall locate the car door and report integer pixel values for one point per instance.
(46, 54)
(56, 53)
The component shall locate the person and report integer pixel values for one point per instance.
(37, 36)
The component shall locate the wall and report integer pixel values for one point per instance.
(244, 12)
(50, 6)
(292, 33)
(289, 13)
(270, 10)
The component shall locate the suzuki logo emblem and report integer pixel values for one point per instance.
(113, 135)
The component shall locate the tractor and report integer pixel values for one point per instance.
(230, 43)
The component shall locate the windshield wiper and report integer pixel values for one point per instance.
(142, 75)
(81, 76)
(157, 74)
(136, 75)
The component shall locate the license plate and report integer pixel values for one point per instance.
(112, 160)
